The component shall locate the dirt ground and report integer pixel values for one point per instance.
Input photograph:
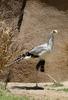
(45, 91)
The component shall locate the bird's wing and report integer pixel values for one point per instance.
(39, 49)
(35, 51)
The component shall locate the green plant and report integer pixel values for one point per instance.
(64, 89)
(4, 95)
(57, 85)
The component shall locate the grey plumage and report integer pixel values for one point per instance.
(39, 50)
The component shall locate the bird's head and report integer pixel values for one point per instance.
(54, 32)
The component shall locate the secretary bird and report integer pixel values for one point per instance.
(38, 51)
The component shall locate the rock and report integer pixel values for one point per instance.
(40, 17)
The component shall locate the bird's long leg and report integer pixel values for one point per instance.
(42, 65)
(36, 79)
(39, 66)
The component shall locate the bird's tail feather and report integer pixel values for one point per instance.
(19, 58)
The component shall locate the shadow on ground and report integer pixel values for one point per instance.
(28, 88)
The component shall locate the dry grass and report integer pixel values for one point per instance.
(9, 11)
(5, 41)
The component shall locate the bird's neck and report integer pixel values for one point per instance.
(51, 41)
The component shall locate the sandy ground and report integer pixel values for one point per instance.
(44, 92)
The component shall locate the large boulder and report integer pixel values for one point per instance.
(40, 17)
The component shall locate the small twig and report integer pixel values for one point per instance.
(52, 78)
